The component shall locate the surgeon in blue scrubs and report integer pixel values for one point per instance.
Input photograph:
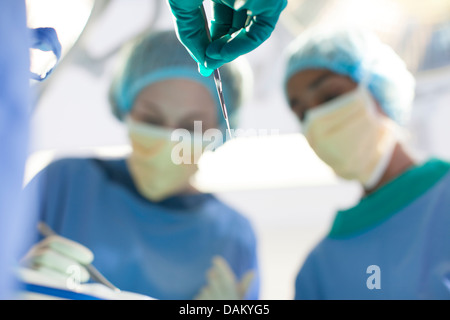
(140, 221)
(351, 93)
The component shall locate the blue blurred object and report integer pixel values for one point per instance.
(437, 50)
(45, 39)
(159, 249)
(356, 53)
(14, 130)
(402, 229)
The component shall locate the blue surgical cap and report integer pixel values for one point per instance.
(159, 56)
(359, 54)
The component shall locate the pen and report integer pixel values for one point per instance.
(46, 231)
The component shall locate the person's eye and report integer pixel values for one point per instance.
(329, 97)
(331, 90)
(147, 117)
(188, 125)
(153, 120)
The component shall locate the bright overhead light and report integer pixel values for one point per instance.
(278, 161)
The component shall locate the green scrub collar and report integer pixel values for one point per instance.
(391, 198)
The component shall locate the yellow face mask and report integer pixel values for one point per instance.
(350, 136)
(153, 161)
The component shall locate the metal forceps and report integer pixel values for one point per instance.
(217, 79)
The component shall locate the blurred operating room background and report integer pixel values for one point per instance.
(274, 179)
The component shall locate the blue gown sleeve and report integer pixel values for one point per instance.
(15, 219)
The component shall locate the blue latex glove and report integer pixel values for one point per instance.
(237, 27)
(45, 39)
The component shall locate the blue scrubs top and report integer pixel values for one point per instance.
(159, 249)
(395, 244)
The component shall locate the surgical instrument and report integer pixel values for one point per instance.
(217, 78)
(46, 231)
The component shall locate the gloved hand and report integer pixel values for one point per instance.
(60, 258)
(222, 283)
(237, 27)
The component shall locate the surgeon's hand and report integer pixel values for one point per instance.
(222, 283)
(60, 258)
(237, 27)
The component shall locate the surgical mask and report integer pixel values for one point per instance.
(350, 136)
(152, 163)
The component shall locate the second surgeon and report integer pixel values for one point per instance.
(350, 91)
(149, 230)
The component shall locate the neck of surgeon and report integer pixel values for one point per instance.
(400, 162)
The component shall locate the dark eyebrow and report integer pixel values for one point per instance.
(317, 82)
(195, 115)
